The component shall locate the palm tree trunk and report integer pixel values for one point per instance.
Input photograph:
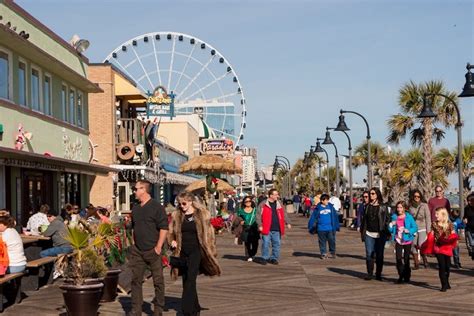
(426, 183)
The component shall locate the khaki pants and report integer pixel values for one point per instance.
(139, 261)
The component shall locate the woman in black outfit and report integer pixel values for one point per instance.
(192, 238)
(374, 232)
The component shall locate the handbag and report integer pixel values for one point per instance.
(178, 262)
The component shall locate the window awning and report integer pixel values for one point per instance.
(24, 159)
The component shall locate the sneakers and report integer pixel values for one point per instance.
(249, 259)
(332, 256)
(273, 261)
(56, 275)
(324, 257)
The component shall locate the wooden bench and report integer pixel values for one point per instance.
(40, 272)
(14, 292)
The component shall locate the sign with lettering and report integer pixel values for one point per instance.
(30, 164)
(217, 146)
(160, 103)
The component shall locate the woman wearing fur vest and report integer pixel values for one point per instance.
(192, 239)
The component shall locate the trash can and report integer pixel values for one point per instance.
(289, 206)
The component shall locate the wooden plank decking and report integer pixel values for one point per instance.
(301, 284)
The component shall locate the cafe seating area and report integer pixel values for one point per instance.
(38, 272)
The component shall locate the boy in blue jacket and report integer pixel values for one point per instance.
(458, 225)
(324, 220)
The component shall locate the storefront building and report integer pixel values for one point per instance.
(44, 129)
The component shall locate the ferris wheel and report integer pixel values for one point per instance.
(201, 78)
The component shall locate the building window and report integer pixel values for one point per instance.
(80, 109)
(72, 107)
(47, 95)
(4, 76)
(64, 103)
(35, 90)
(22, 83)
(70, 186)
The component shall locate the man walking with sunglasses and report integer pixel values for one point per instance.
(150, 228)
(438, 201)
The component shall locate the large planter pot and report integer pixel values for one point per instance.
(110, 285)
(82, 300)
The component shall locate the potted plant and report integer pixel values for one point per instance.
(83, 270)
(117, 241)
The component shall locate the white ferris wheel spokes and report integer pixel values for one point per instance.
(197, 73)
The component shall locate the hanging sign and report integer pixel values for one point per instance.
(160, 103)
(217, 146)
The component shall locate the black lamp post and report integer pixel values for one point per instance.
(351, 206)
(341, 126)
(329, 141)
(427, 112)
(319, 149)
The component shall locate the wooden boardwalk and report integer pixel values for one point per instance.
(301, 284)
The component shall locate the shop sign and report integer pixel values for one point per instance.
(160, 103)
(217, 146)
(30, 164)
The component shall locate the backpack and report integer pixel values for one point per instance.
(4, 261)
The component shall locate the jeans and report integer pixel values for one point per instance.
(139, 261)
(273, 237)
(470, 242)
(456, 256)
(330, 237)
(16, 269)
(53, 252)
(296, 206)
(374, 248)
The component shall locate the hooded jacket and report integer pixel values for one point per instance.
(264, 217)
(409, 224)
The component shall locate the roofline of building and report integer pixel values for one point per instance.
(15, 7)
(118, 71)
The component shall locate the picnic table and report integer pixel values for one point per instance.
(38, 274)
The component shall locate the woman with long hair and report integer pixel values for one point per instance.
(374, 232)
(441, 241)
(192, 239)
(420, 211)
(250, 234)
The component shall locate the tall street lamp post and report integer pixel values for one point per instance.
(328, 141)
(341, 126)
(319, 149)
(427, 112)
(351, 206)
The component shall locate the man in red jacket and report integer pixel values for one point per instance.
(271, 220)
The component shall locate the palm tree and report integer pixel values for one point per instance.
(411, 103)
(447, 162)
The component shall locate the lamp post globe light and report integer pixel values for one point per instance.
(329, 141)
(319, 149)
(351, 205)
(341, 126)
(427, 112)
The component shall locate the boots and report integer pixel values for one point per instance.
(416, 260)
(370, 269)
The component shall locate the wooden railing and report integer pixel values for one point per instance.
(129, 132)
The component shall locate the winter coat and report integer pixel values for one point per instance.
(264, 217)
(443, 245)
(409, 224)
(205, 233)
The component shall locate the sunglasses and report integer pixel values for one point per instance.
(366, 196)
(183, 203)
(438, 191)
(134, 189)
(416, 196)
(247, 201)
(373, 193)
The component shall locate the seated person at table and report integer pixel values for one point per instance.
(37, 220)
(56, 230)
(11, 238)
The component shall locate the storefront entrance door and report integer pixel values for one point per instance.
(37, 190)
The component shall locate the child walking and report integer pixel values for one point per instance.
(403, 229)
(441, 241)
(458, 225)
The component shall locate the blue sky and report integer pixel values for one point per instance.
(299, 62)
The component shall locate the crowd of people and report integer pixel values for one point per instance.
(417, 228)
